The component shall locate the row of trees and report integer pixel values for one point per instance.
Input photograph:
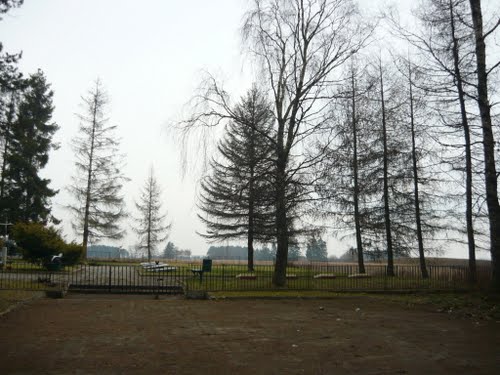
(316, 250)
(97, 185)
(390, 150)
(26, 139)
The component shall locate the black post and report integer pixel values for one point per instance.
(109, 281)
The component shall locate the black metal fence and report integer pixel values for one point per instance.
(108, 278)
(179, 277)
(340, 277)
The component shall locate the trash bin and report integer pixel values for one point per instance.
(55, 263)
(207, 265)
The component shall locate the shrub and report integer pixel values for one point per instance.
(11, 246)
(39, 243)
(72, 253)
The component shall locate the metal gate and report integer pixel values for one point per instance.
(94, 278)
(125, 279)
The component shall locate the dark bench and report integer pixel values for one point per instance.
(205, 267)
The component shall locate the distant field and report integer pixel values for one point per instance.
(400, 261)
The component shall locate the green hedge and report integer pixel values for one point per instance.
(38, 243)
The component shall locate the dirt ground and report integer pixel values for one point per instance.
(138, 335)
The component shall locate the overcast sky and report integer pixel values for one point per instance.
(150, 56)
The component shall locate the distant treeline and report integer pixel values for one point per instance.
(231, 252)
(105, 251)
(240, 253)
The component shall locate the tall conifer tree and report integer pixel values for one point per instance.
(98, 182)
(151, 228)
(26, 195)
(236, 197)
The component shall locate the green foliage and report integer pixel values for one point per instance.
(170, 251)
(294, 252)
(236, 196)
(39, 243)
(316, 249)
(28, 133)
(173, 252)
(150, 223)
(72, 253)
(8, 62)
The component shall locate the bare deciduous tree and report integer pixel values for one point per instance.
(341, 177)
(300, 45)
(416, 180)
(491, 177)
(444, 46)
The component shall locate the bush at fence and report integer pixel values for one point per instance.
(39, 243)
(72, 253)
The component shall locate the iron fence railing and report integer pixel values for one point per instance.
(177, 277)
(339, 277)
(110, 278)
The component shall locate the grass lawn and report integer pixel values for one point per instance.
(21, 266)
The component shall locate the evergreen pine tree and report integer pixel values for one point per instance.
(316, 249)
(8, 62)
(236, 196)
(151, 229)
(170, 251)
(26, 195)
(10, 85)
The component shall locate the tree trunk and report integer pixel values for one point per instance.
(251, 200)
(279, 276)
(251, 229)
(387, 215)
(148, 239)
(471, 243)
(86, 214)
(357, 221)
(421, 254)
(250, 245)
(8, 124)
(488, 142)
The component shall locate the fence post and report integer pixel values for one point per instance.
(223, 277)
(309, 276)
(109, 281)
(385, 277)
